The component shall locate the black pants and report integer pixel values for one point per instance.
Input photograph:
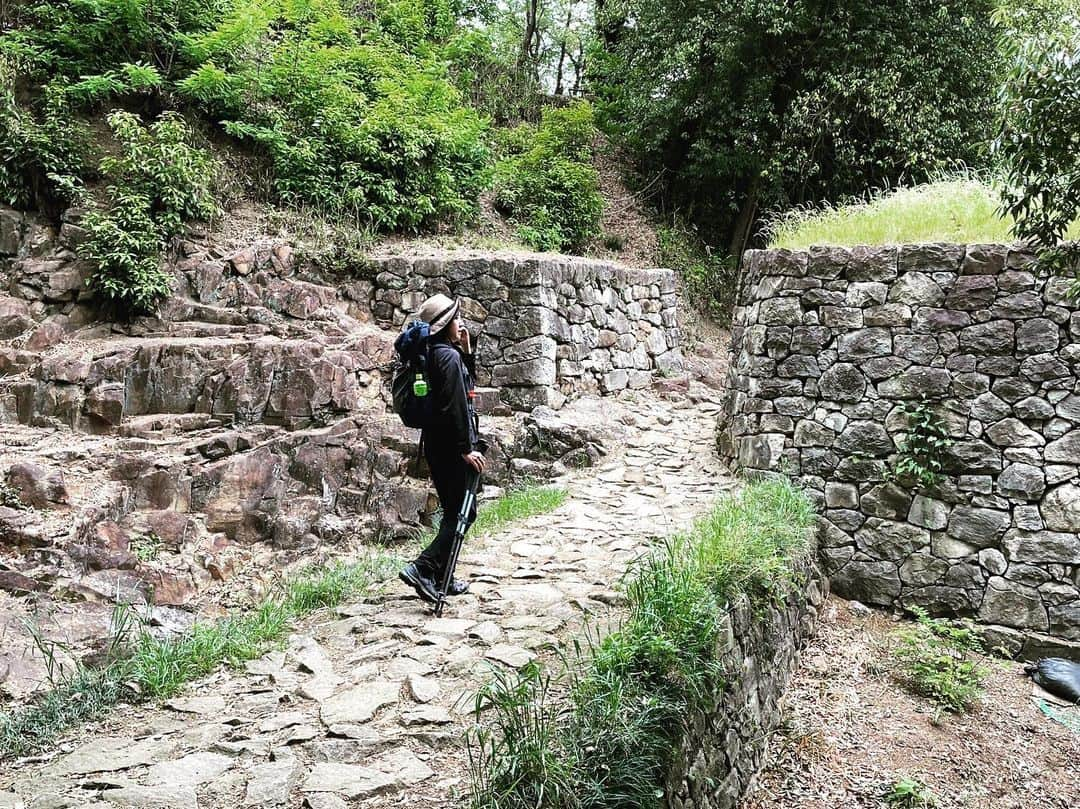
(449, 473)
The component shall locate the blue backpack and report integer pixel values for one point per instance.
(412, 399)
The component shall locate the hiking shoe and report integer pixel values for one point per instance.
(424, 586)
(458, 588)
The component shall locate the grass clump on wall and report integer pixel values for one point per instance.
(603, 732)
(143, 667)
(962, 210)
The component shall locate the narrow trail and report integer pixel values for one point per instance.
(368, 705)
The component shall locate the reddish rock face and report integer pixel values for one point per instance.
(18, 584)
(37, 487)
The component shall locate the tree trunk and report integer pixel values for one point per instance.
(532, 9)
(744, 222)
(562, 48)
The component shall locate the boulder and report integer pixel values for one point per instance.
(1022, 481)
(35, 486)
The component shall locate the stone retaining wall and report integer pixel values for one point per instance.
(725, 747)
(548, 326)
(829, 344)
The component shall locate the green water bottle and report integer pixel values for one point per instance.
(419, 386)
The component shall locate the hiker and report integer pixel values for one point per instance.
(450, 442)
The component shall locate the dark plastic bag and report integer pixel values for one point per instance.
(1058, 676)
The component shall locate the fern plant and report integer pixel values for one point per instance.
(939, 659)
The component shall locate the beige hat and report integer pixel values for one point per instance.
(437, 311)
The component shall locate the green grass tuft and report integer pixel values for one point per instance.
(518, 504)
(963, 210)
(602, 733)
(157, 669)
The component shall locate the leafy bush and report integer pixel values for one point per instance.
(547, 184)
(907, 793)
(157, 181)
(922, 454)
(602, 734)
(354, 109)
(748, 106)
(1039, 131)
(939, 659)
(709, 275)
(356, 117)
(40, 149)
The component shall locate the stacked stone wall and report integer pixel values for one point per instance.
(548, 326)
(829, 348)
(725, 746)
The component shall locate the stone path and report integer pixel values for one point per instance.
(367, 705)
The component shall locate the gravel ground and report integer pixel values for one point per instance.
(850, 731)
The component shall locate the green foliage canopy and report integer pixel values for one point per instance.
(547, 184)
(743, 105)
(1039, 141)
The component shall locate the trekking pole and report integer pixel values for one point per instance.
(472, 483)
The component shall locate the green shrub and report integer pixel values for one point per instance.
(602, 734)
(41, 147)
(922, 454)
(709, 276)
(940, 660)
(356, 117)
(907, 793)
(547, 184)
(157, 181)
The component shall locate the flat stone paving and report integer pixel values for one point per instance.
(368, 705)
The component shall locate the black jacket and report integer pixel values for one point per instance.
(450, 375)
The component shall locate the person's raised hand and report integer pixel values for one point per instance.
(475, 460)
(464, 340)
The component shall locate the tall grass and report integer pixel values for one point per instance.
(963, 210)
(601, 733)
(141, 667)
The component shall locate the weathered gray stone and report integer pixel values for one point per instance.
(993, 561)
(1065, 450)
(1061, 508)
(842, 382)
(916, 289)
(993, 337)
(981, 527)
(885, 539)
(270, 783)
(1042, 547)
(1034, 408)
(841, 495)
(864, 343)
(1037, 336)
(810, 433)
(972, 292)
(917, 382)
(871, 582)
(359, 704)
(1012, 432)
(927, 512)
(865, 438)
(1022, 481)
(921, 569)
(1013, 604)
